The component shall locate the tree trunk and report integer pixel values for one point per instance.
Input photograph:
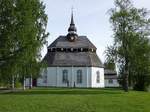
(13, 82)
(126, 82)
(126, 77)
(24, 82)
(30, 86)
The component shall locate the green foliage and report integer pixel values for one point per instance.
(110, 64)
(18, 84)
(75, 100)
(22, 35)
(131, 48)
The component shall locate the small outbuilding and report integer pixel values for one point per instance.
(111, 79)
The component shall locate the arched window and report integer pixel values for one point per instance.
(65, 76)
(98, 77)
(79, 76)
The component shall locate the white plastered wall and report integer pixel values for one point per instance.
(113, 84)
(94, 77)
(54, 77)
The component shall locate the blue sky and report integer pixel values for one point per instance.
(91, 18)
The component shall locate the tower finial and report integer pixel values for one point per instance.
(72, 9)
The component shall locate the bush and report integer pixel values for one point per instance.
(18, 85)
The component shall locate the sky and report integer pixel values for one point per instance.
(91, 19)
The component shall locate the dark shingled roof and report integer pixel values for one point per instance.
(78, 59)
(81, 42)
(110, 74)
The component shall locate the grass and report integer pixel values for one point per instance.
(74, 100)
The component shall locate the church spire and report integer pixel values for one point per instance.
(72, 27)
(72, 19)
(72, 31)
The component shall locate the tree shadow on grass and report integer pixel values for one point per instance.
(65, 92)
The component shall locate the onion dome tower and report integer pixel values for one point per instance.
(72, 30)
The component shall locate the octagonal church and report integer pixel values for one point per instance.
(72, 62)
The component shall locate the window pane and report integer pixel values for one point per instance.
(65, 76)
(79, 76)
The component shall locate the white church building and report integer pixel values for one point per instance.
(72, 62)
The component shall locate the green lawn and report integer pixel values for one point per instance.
(75, 100)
